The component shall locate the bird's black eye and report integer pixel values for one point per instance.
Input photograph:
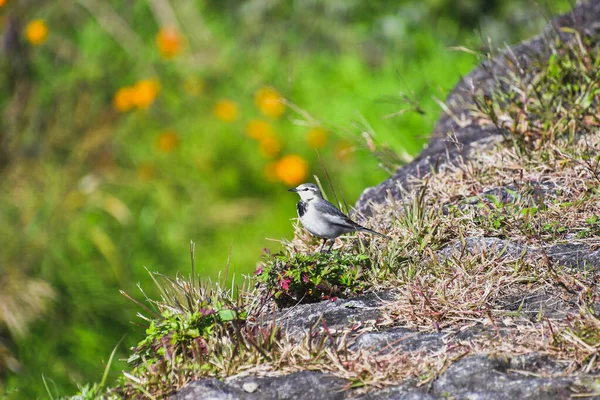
(306, 189)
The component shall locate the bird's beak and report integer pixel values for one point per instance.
(293, 190)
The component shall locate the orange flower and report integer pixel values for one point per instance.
(144, 93)
(316, 138)
(3, 2)
(145, 172)
(167, 141)
(36, 32)
(258, 129)
(269, 102)
(291, 169)
(343, 150)
(269, 146)
(169, 42)
(226, 110)
(123, 99)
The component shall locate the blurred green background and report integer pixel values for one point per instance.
(129, 128)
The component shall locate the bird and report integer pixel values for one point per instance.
(323, 219)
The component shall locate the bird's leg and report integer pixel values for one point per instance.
(330, 247)
(323, 245)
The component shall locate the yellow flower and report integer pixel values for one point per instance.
(123, 99)
(144, 93)
(291, 170)
(343, 150)
(269, 102)
(316, 138)
(269, 146)
(169, 42)
(226, 110)
(194, 86)
(36, 32)
(258, 129)
(167, 141)
(145, 172)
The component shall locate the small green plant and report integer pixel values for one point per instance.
(307, 278)
(181, 336)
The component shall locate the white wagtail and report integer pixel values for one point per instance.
(323, 219)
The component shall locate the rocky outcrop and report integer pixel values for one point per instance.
(477, 377)
(482, 377)
(455, 134)
(469, 374)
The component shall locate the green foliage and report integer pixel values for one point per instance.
(177, 342)
(183, 336)
(307, 278)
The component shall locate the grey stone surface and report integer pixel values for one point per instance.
(335, 314)
(475, 377)
(304, 385)
(482, 377)
(208, 389)
(397, 393)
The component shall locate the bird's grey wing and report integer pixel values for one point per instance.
(333, 215)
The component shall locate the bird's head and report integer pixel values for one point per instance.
(307, 191)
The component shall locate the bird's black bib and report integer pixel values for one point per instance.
(301, 207)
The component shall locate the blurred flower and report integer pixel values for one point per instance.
(291, 169)
(269, 146)
(3, 2)
(36, 32)
(144, 93)
(316, 137)
(269, 102)
(258, 129)
(226, 110)
(145, 172)
(169, 42)
(343, 150)
(167, 141)
(270, 172)
(194, 86)
(123, 99)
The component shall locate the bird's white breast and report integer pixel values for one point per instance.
(321, 225)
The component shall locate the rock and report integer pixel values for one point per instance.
(304, 385)
(487, 378)
(335, 314)
(250, 387)
(440, 150)
(476, 377)
(208, 389)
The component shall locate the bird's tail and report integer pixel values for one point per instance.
(363, 229)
